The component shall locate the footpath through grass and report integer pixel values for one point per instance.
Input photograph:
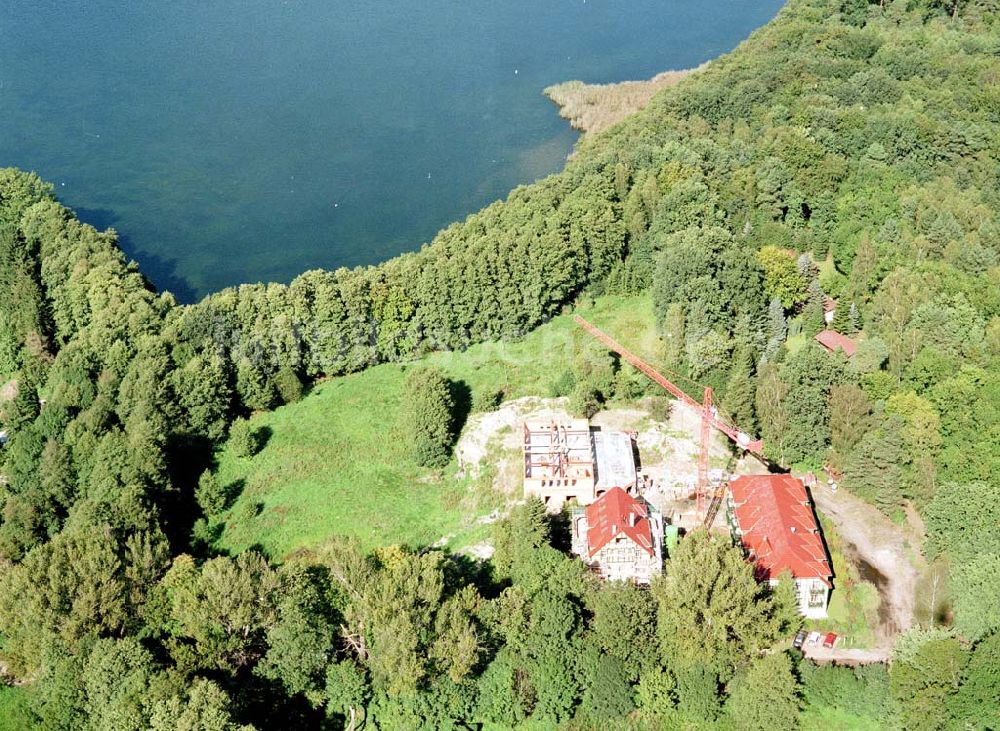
(336, 463)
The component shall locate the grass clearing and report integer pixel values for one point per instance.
(795, 343)
(336, 463)
(14, 715)
(827, 718)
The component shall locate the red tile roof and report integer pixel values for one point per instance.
(617, 512)
(831, 340)
(829, 304)
(779, 527)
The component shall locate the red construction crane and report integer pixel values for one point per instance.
(709, 415)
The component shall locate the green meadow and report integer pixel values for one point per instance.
(337, 463)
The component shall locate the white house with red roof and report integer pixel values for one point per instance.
(829, 309)
(620, 537)
(772, 517)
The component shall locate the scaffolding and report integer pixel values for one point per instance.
(554, 450)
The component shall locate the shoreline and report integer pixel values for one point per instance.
(594, 108)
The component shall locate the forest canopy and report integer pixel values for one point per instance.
(847, 153)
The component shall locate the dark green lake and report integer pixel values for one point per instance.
(248, 141)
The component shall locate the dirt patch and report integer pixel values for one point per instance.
(502, 428)
(884, 553)
(846, 656)
(8, 392)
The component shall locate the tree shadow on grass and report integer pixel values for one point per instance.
(461, 396)
(233, 491)
(262, 435)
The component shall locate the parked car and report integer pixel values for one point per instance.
(814, 638)
(800, 639)
(830, 640)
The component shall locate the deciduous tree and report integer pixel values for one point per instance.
(711, 608)
(765, 695)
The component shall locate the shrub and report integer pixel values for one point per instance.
(487, 400)
(659, 408)
(289, 385)
(562, 385)
(585, 401)
(243, 438)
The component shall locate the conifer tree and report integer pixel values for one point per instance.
(673, 335)
(850, 412)
(24, 407)
(874, 469)
(56, 472)
(254, 386)
(813, 314)
(786, 604)
(777, 324)
(804, 263)
(288, 385)
(777, 330)
(211, 496)
(842, 319)
(741, 390)
(771, 409)
(204, 392)
(427, 418)
(854, 319)
(243, 438)
(809, 375)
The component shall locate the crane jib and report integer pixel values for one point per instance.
(741, 439)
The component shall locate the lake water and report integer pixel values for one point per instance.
(239, 141)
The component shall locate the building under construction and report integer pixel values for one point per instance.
(564, 461)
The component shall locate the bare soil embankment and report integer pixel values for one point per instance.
(889, 554)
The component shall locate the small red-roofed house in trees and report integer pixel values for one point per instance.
(829, 309)
(833, 341)
(772, 517)
(620, 537)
